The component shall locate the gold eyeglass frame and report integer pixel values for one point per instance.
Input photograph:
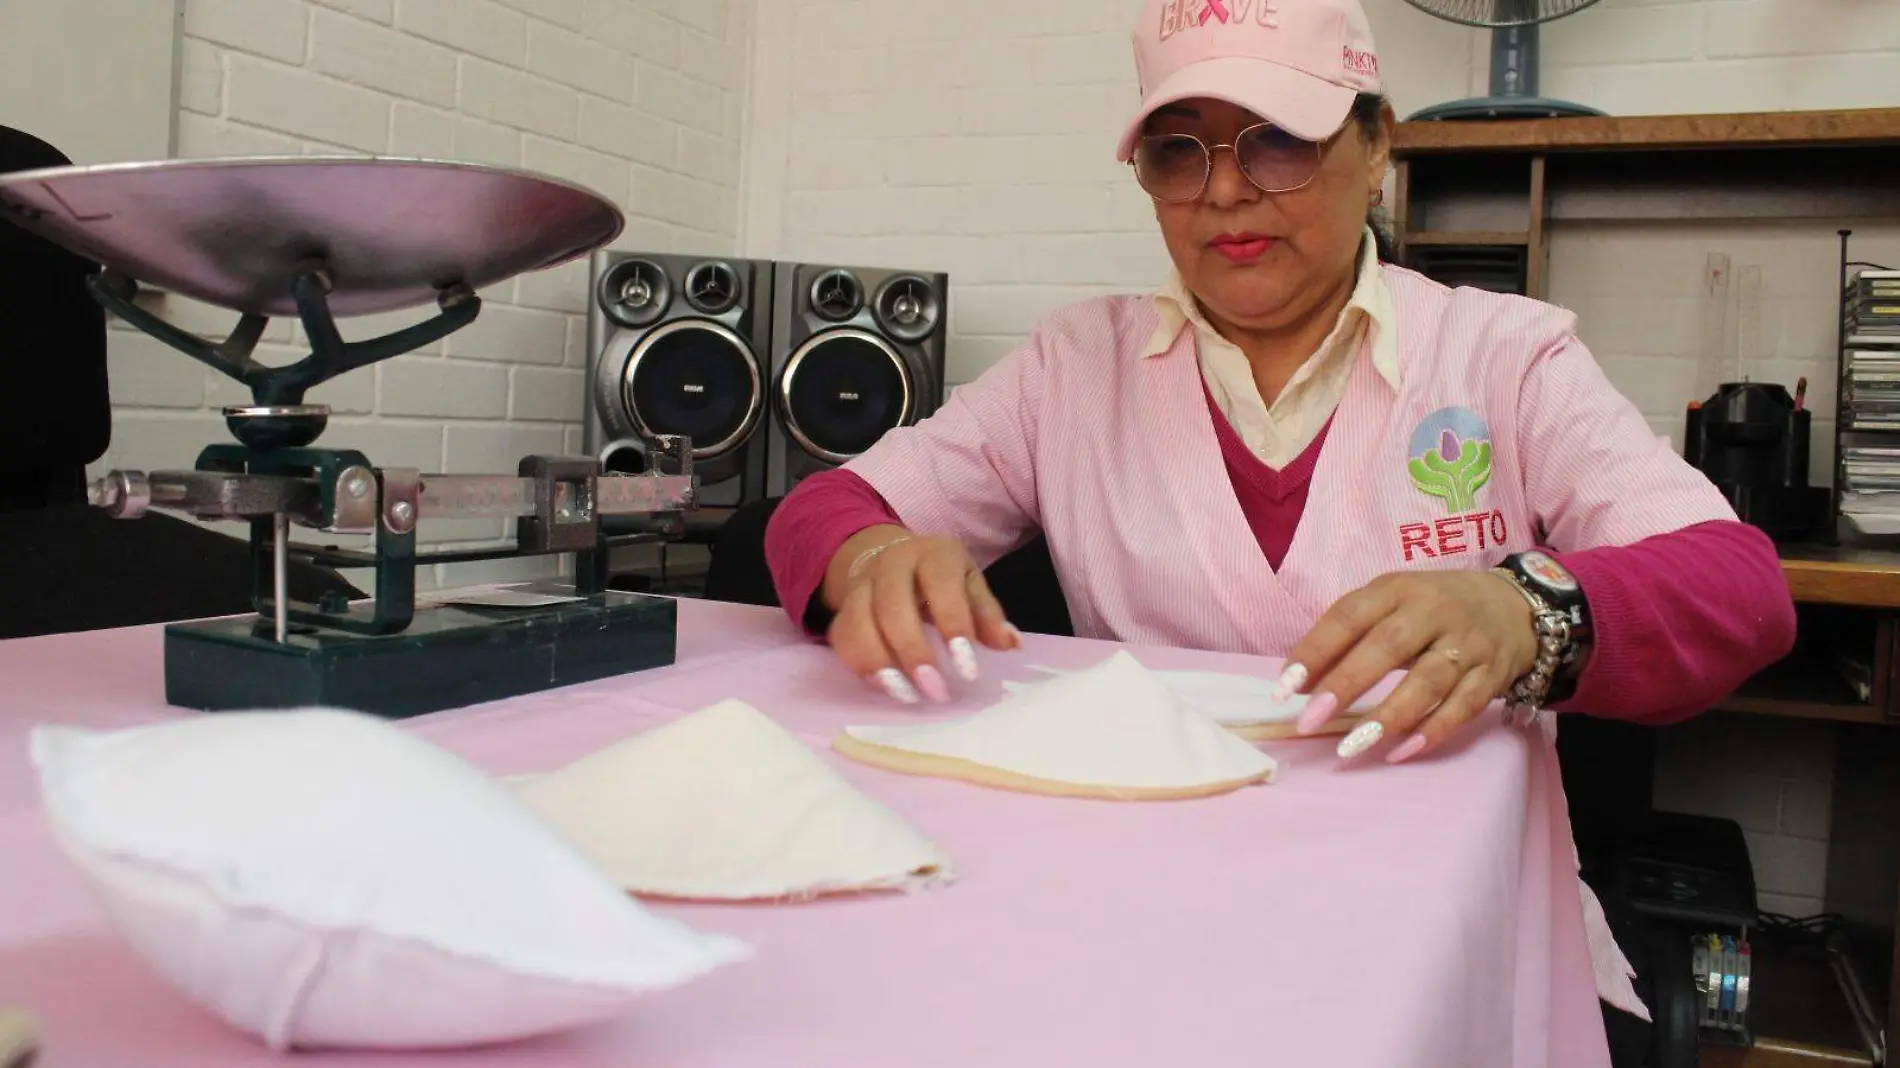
(1207, 160)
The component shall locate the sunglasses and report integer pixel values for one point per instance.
(1175, 167)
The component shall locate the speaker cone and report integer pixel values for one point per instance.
(837, 296)
(698, 379)
(843, 390)
(634, 292)
(907, 308)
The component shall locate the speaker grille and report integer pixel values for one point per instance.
(697, 379)
(843, 390)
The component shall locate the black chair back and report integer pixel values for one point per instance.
(1024, 581)
(55, 402)
(65, 566)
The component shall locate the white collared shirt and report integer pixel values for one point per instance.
(1277, 434)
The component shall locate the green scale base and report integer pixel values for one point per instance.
(451, 656)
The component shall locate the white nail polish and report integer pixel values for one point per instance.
(963, 654)
(898, 686)
(1363, 737)
(1290, 682)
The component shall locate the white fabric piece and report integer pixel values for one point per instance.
(1113, 725)
(320, 878)
(725, 804)
(1230, 699)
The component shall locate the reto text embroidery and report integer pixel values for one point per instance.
(1452, 535)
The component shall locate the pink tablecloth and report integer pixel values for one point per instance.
(1425, 915)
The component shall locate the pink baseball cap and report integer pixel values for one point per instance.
(1296, 63)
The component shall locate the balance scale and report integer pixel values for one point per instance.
(323, 238)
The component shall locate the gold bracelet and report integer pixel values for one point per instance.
(863, 558)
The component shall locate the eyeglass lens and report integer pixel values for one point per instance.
(1175, 167)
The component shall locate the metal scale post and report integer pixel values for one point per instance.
(318, 238)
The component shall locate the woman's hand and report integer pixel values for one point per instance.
(884, 585)
(1463, 637)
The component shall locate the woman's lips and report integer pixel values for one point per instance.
(1241, 248)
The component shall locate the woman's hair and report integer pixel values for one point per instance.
(1368, 109)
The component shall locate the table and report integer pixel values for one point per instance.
(1423, 915)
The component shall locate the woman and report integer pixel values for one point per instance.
(1295, 449)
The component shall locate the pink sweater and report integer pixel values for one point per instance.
(1681, 619)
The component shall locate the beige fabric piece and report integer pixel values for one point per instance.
(1112, 731)
(1273, 732)
(724, 804)
(19, 1038)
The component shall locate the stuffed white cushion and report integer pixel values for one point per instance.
(325, 879)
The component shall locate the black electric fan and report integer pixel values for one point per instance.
(1513, 25)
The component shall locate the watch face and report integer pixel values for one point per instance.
(1547, 572)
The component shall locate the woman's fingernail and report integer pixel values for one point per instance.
(1317, 712)
(1407, 749)
(1015, 636)
(963, 654)
(930, 680)
(1363, 737)
(897, 686)
(1290, 682)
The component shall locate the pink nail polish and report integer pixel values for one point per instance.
(930, 681)
(1317, 712)
(1410, 748)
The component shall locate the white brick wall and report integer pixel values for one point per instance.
(978, 137)
(1637, 57)
(641, 100)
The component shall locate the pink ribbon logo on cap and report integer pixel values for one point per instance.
(1214, 9)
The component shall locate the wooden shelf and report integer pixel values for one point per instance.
(1467, 237)
(1802, 687)
(1655, 133)
(1781, 1053)
(1825, 575)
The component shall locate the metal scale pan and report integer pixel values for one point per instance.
(389, 233)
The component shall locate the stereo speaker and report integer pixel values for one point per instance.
(678, 345)
(856, 352)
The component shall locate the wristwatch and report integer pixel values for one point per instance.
(1561, 615)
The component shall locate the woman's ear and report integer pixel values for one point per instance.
(1379, 149)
